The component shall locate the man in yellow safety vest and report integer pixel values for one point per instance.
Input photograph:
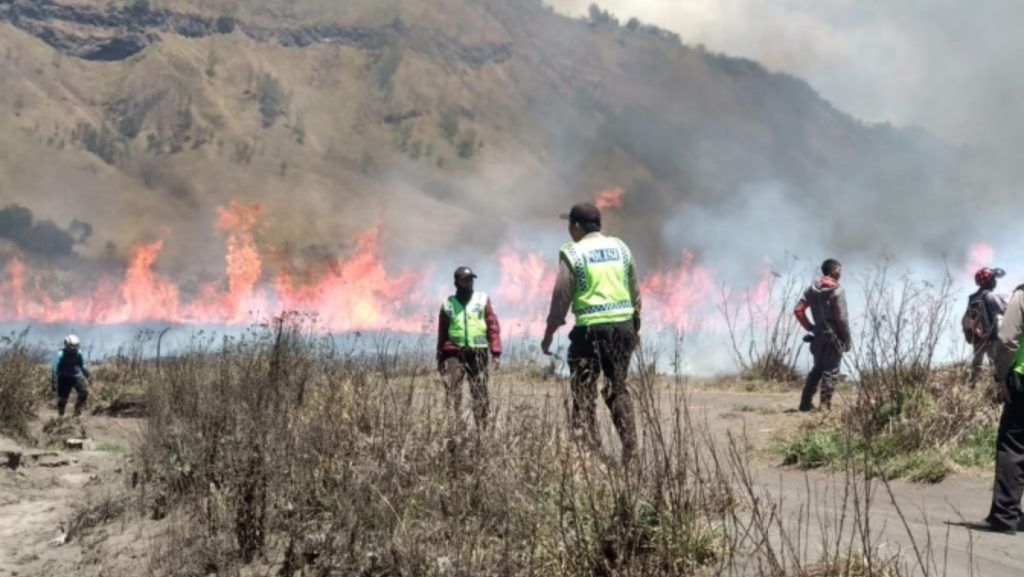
(597, 279)
(468, 338)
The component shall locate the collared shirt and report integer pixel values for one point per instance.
(565, 289)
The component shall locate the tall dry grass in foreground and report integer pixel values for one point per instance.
(277, 454)
(23, 377)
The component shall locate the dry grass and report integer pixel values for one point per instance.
(21, 378)
(292, 457)
(277, 453)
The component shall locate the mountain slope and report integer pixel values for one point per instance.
(451, 121)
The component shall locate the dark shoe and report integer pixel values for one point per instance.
(806, 408)
(989, 525)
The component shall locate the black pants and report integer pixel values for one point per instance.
(828, 358)
(605, 349)
(64, 386)
(1009, 482)
(471, 364)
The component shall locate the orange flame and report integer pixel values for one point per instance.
(674, 298)
(357, 292)
(524, 286)
(980, 255)
(610, 198)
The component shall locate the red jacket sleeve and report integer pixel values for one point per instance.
(493, 329)
(801, 315)
(442, 332)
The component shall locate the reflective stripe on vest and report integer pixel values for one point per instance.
(467, 325)
(601, 268)
(1018, 361)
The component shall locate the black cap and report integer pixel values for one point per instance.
(583, 213)
(463, 272)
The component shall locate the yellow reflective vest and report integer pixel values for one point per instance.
(601, 267)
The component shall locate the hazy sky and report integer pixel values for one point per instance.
(947, 65)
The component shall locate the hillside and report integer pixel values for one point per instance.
(451, 122)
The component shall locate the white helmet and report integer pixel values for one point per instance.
(71, 342)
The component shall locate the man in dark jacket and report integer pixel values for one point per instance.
(70, 371)
(468, 341)
(831, 333)
(993, 308)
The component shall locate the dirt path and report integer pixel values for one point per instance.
(929, 511)
(915, 515)
(40, 494)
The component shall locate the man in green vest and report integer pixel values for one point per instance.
(468, 338)
(597, 279)
(1005, 514)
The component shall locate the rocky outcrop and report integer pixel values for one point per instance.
(120, 33)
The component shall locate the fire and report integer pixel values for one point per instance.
(355, 292)
(524, 287)
(980, 255)
(675, 298)
(359, 293)
(15, 289)
(244, 270)
(145, 295)
(610, 198)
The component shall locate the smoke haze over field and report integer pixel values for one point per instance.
(411, 136)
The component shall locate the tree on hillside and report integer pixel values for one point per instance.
(272, 98)
(600, 17)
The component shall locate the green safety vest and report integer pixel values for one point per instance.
(601, 267)
(467, 326)
(1018, 361)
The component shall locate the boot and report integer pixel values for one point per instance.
(79, 405)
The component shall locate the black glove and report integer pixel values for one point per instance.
(808, 338)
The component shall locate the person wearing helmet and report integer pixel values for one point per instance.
(985, 309)
(468, 342)
(830, 333)
(70, 371)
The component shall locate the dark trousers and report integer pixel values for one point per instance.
(828, 358)
(595, 350)
(471, 364)
(1009, 483)
(64, 386)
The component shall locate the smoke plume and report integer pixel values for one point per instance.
(40, 237)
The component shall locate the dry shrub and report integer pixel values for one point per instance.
(909, 417)
(765, 342)
(904, 320)
(275, 453)
(288, 454)
(21, 377)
